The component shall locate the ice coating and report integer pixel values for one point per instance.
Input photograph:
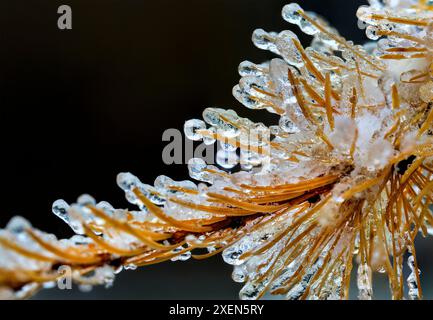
(345, 171)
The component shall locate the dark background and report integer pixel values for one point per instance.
(78, 106)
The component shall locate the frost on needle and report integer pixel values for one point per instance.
(344, 183)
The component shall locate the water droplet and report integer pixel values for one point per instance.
(192, 126)
(85, 287)
(286, 46)
(263, 40)
(251, 291)
(18, 225)
(247, 68)
(126, 181)
(130, 266)
(231, 256)
(239, 274)
(227, 159)
(372, 33)
(106, 207)
(60, 208)
(86, 200)
(196, 168)
(227, 146)
(244, 97)
(209, 140)
(213, 116)
(291, 14)
(287, 125)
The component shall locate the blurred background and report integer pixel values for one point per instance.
(78, 106)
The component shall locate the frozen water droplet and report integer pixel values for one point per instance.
(227, 146)
(372, 33)
(118, 270)
(275, 130)
(60, 208)
(231, 256)
(227, 159)
(362, 25)
(209, 140)
(192, 126)
(196, 168)
(211, 249)
(49, 285)
(286, 46)
(247, 68)
(126, 181)
(263, 40)
(106, 207)
(151, 193)
(162, 183)
(251, 291)
(190, 238)
(291, 13)
(287, 125)
(244, 97)
(80, 240)
(130, 266)
(307, 27)
(239, 274)
(86, 200)
(85, 287)
(364, 14)
(213, 116)
(18, 225)
(183, 256)
(278, 73)
(296, 292)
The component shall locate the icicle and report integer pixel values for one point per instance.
(364, 282)
(412, 279)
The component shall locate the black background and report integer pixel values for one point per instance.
(78, 106)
